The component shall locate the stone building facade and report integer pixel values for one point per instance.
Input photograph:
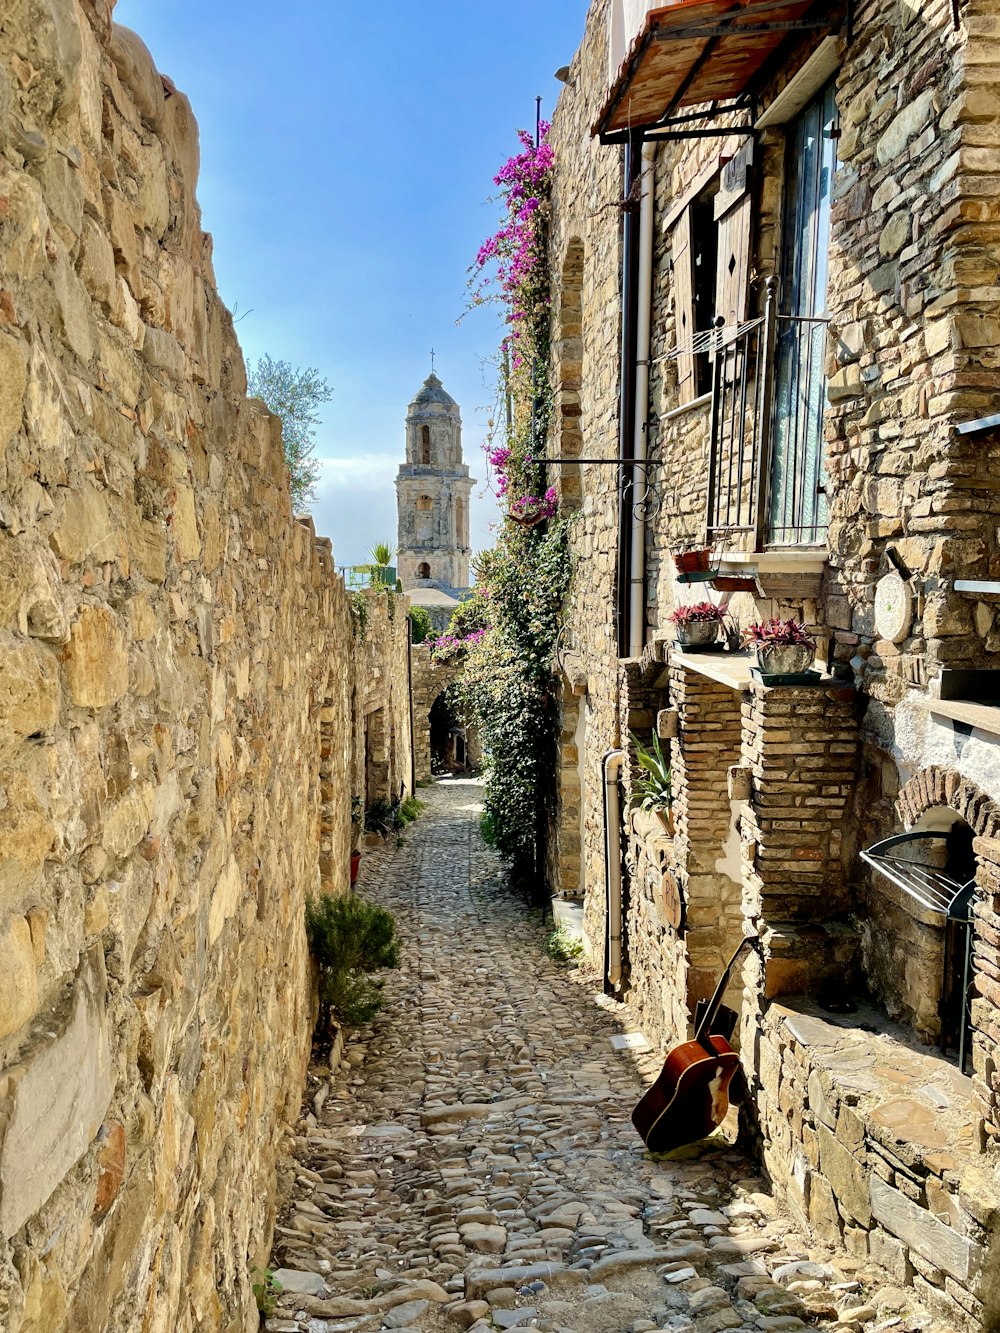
(186, 706)
(433, 490)
(444, 734)
(779, 336)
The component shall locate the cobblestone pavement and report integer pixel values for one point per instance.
(471, 1163)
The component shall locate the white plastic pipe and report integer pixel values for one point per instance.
(637, 567)
(613, 762)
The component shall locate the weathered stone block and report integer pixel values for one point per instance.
(96, 658)
(225, 898)
(18, 976)
(60, 1093)
(13, 381)
(26, 831)
(954, 1254)
(846, 1175)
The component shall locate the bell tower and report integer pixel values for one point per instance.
(432, 495)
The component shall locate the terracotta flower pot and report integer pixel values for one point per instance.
(526, 520)
(698, 633)
(790, 659)
(692, 562)
(355, 866)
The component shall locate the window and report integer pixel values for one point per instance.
(424, 502)
(766, 474)
(694, 258)
(710, 259)
(425, 444)
(423, 570)
(798, 508)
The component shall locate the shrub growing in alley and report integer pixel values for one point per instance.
(349, 939)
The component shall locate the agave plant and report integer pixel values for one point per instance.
(382, 554)
(653, 789)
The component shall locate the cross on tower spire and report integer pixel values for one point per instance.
(432, 360)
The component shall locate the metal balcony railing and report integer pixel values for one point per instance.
(766, 472)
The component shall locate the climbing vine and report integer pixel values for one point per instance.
(522, 581)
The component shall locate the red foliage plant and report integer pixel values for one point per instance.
(698, 613)
(776, 633)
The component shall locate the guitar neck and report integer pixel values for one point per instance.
(704, 1030)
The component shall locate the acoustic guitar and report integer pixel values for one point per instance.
(690, 1098)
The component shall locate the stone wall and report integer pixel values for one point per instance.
(176, 675)
(431, 680)
(909, 357)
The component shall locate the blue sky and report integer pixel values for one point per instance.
(347, 162)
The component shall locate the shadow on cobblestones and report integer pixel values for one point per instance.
(471, 1163)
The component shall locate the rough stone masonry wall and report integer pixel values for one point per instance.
(586, 256)
(175, 659)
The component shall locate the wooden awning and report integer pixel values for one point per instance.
(703, 52)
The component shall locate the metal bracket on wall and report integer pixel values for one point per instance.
(648, 502)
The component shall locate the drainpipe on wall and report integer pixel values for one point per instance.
(626, 414)
(644, 303)
(612, 766)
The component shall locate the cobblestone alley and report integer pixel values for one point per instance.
(471, 1162)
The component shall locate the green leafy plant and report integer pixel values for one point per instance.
(266, 1290)
(562, 945)
(349, 939)
(380, 817)
(422, 625)
(359, 614)
(407, 811)
(382, 554)
(294, 395)
(653, 788)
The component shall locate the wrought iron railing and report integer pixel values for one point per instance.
(766, 474)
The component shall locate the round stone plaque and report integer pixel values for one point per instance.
(670, 900)
(893, 607)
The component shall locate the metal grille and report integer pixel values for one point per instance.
(951, 900)
(746, 493)
(735, 475)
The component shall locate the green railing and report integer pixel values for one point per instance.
(369, 576)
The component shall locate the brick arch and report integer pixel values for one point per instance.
(934, 787)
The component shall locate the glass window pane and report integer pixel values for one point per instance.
(798, 501)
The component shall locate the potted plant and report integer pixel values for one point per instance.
(653, 789)
(382, 572)
(783, 647)
(697, 625)
(532, 509)
(693, 560)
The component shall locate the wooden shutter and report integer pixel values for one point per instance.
(682, 260)
(732, 213)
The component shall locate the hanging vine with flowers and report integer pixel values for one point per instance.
(522, 581)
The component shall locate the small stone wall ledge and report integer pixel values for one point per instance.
(982, 717)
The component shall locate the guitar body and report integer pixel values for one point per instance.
(690, 1098)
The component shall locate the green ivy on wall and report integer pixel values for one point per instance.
(508, 675)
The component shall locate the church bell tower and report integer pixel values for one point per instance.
(432, 495)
